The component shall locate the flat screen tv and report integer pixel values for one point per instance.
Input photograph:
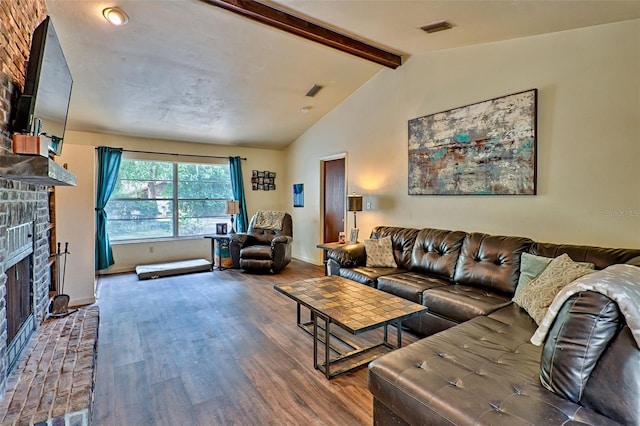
(42, 109)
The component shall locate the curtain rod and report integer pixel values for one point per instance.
(179, 155)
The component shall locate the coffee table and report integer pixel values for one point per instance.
(355, 308)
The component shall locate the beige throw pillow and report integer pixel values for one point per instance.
(536, 296)
(380, 253)
(531, 266)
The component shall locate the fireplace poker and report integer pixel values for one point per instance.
(64, 268)
(59, 306)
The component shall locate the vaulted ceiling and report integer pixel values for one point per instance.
(188, 71)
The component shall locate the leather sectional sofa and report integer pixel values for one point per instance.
(477, 364)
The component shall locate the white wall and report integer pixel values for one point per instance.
(82, 203)
(588, 140)
(75, 223)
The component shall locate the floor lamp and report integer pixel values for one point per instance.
(233, 208)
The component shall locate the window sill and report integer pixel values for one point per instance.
(156, 240)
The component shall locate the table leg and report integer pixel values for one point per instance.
(213, 254)
(325, 263)
(314, 319)
(327, 346)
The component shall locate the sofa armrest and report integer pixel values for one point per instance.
(348, 256)
(281, 239)
(333, 268)
(236, 243)
(280, 252)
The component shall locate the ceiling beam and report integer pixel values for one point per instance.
(295, 25)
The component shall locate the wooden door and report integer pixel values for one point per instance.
(334, 199)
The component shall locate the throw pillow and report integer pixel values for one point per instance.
(380, 253)
(536, 296)
(531, 266)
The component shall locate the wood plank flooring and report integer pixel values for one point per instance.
(215, 348)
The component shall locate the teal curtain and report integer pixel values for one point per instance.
(108, 165)
(237, 186)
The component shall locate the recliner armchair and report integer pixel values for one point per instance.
(266, 246)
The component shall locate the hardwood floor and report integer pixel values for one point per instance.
(215, 348)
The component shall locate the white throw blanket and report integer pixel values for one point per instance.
(620, 283)
(269, 220)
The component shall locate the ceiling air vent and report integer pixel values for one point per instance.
(436, 26)
(314, 90)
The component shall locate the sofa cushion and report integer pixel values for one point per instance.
(379, 253)
(514, 315)
(481, 372)
(368, 276)
(409, 285)
(536, 296)
(256, 252)
(461, 303)
(580, 334)
(436, 251)
(491, 261)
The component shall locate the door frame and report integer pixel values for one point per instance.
(338, 156)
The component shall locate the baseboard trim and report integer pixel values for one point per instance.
(117, 270)
(313, 261)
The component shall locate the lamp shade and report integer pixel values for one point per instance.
(354, 203)
(233, 207)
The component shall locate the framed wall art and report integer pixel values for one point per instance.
(487, 148)
(298, 195)
(221, 228)
(353, 235)
(263, 180)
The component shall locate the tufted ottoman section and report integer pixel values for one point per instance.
(483, 371)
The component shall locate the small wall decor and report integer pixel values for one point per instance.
(298, 195)
(263, 180)
(487, 148)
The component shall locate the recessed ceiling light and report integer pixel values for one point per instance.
(436, 26)
(305, 109)
(115, 15)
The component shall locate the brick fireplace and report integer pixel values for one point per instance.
(23, 203)
(20, 202)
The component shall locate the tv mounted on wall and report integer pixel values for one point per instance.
(43, 107)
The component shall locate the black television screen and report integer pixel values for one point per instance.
(43, 106)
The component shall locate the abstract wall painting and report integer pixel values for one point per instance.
(298, 195)
(487, 148)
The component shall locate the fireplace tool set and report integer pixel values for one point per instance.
(59, 306)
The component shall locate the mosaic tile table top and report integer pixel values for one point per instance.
(354, 306)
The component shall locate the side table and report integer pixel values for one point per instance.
(326, 247)
(222, 241)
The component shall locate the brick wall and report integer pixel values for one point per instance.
(19, 202)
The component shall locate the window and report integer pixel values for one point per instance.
(156, 199)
